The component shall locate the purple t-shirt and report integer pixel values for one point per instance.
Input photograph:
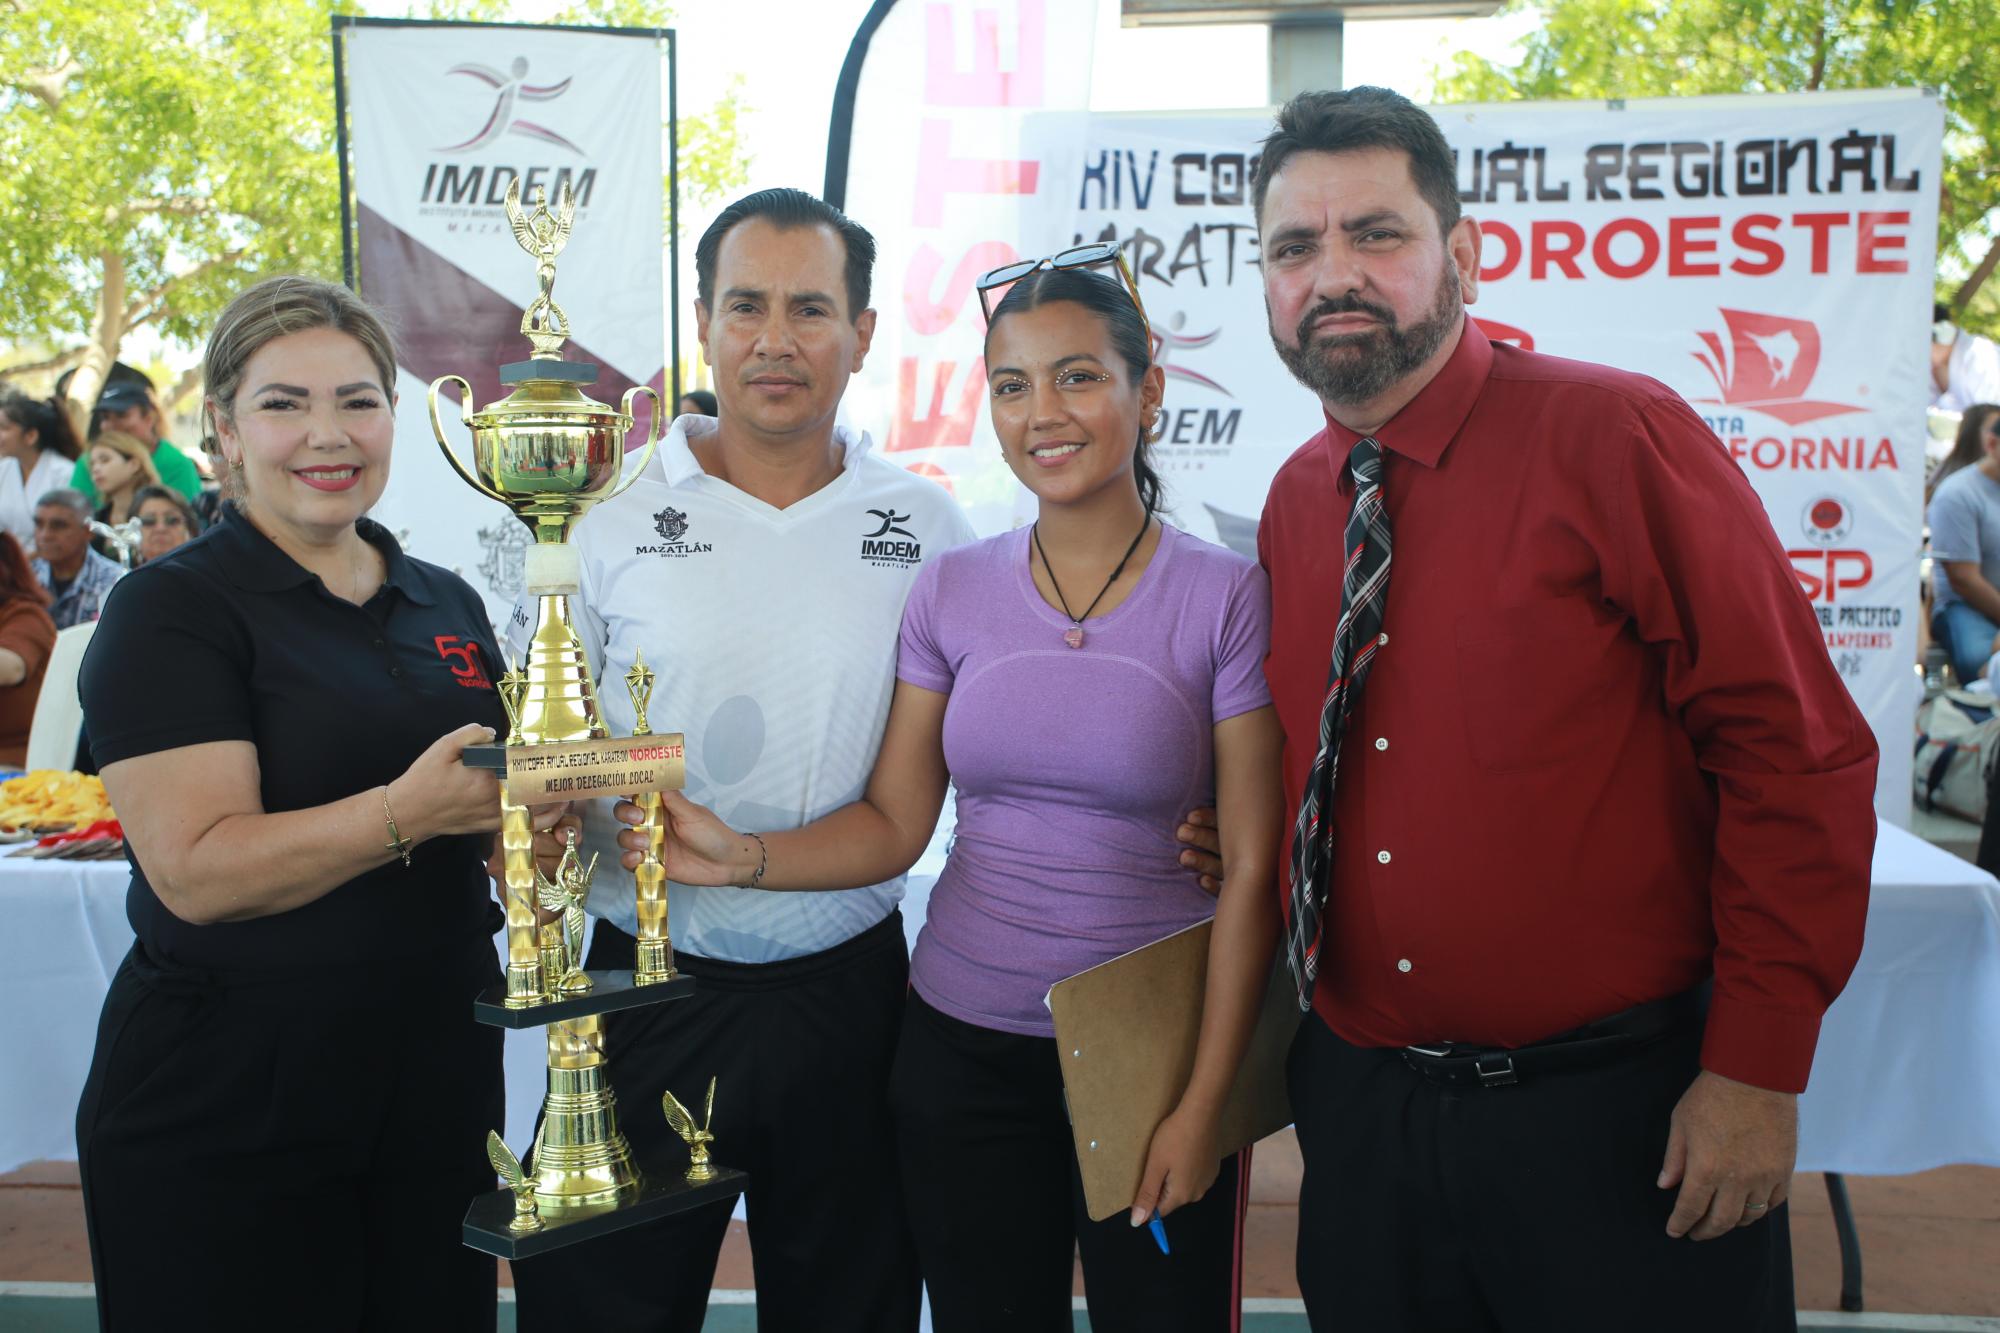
(1073, 766)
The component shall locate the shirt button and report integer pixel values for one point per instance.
(1381, 742)
(1402, 964)
(1383, 639)
(380, 644)
(1383, 857)
(395, 671)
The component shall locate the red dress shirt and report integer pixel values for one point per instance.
(1603, 752)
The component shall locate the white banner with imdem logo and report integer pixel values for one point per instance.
(1769, 258)
(441, 119)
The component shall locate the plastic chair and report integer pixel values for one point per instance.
(58, 722)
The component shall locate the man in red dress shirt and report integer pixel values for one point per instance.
(1597, 844)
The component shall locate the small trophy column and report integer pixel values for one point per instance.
(655, 961)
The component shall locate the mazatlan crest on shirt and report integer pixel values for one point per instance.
(672, 525)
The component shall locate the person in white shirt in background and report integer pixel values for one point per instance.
(1965, 368)
(38, 450)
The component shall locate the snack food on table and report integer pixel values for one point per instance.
(51, 799)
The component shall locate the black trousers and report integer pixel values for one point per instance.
(801, 1050)
(1528, 1208)
(989, 1167)
(295, 1152)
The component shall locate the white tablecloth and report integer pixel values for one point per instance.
(1907, 1076)
(68, 933)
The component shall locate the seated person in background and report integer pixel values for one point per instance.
(1964, 517)
(120, 467)
(37, 439)
(166, 520)
(1977, 429)
(76, 577)
(127, 405)
(27, 636)
(697, 402)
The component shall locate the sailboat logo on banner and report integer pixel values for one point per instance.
(1767, 366)
(508, 89)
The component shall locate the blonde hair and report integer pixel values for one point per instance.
(271, 310)
(133, 448)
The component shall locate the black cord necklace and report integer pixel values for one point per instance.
(1073, 636)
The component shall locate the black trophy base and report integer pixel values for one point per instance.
(492, 758)
(548, 368)
(609, 992)
(660, 1194)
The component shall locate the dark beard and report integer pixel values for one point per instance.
(1356, 367)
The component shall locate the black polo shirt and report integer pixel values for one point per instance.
(227, 638)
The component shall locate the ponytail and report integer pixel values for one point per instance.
(47, 417)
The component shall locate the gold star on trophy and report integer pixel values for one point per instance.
(639, 681)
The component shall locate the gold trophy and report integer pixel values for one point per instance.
(548, 451)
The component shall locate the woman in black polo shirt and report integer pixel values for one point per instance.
(286, 1112)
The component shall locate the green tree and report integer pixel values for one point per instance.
(1642, 48)
(164, 155)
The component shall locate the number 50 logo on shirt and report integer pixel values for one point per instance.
(462, 656)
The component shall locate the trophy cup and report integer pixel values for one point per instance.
(548, 451)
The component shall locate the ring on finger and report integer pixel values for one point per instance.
(1755, 1207)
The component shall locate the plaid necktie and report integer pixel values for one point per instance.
(1364, 586)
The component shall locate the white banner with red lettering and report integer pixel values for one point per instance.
(442, 119)
(1769, 258)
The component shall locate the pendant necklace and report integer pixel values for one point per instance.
(1073, 636)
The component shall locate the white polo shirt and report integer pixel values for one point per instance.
(772, 635)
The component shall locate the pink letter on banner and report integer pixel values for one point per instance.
(940, 174)
(929, 317)
(938, 429)
(987, 84)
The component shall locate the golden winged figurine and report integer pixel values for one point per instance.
(543, 235)
(527, 1217)
(697, 1139)
(567, 893)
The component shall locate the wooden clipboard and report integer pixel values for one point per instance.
(1126, 1033)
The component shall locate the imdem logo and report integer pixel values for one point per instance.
(508, 89)
(888, 544)
(497, 100)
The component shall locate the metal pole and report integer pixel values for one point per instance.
(1850, 1242)
(1305, 57)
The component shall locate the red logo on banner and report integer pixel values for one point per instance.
(1768, 367)
(1497, 332)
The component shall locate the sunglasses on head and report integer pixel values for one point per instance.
(1077, 256)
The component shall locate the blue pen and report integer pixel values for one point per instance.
(1159, 1230)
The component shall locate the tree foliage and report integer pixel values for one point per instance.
(165, 155)
(1642, 48)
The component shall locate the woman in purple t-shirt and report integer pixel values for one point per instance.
(1084, 683)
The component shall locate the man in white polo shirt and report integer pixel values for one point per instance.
(761, 565)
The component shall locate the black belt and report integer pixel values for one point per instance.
(1582, 1048)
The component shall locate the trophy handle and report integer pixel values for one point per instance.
(652, 434)
(437, 429)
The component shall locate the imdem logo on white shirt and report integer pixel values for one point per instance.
(672, 525)
(887, 544)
